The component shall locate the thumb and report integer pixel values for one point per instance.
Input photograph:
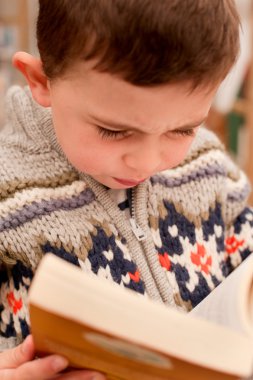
(14, 357)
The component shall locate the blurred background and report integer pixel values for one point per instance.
(231, 116)
(17, 32)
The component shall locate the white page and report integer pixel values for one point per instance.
(231, 303)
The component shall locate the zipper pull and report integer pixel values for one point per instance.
(137, 230)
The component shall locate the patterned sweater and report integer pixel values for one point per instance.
(194, 216)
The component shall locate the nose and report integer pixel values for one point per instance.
(145, 158)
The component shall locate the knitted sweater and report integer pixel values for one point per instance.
(194, 216)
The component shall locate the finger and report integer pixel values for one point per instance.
(81, 375)
(39, 369)
(14, 357)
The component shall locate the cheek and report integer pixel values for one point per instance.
(177, 151)
(90, 156)
(84, 158)
(86, 162)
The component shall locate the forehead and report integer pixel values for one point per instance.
(108, 96)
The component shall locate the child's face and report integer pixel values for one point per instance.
(121, 134)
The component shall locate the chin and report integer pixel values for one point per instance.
(114, 185)
(117, 186)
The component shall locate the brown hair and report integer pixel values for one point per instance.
(146, 42)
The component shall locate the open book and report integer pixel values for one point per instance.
(231, 303)
(100, 325)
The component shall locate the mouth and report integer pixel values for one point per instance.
(127, 182)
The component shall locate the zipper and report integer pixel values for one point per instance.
(137, 230)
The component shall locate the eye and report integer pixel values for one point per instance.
(185, 132)
(109, 134)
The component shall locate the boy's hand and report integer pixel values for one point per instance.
(19, 364)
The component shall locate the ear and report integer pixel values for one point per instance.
(32, 70)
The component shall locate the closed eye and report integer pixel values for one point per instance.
(117, 135)
(185, 132)
(110, 134)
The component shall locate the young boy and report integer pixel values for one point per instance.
(104, 163)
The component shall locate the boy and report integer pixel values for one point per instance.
(98, 165)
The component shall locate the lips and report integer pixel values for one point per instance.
(127, 182)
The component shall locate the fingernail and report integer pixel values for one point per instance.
(59, 363)
(97, 376)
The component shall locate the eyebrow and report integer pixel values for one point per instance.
(122, 126)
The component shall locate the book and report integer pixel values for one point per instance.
(100, 325)
(231, 303)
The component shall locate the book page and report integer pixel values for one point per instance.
(231, 303)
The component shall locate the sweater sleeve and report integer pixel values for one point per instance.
(14, 318)
(233, 192)
(237, 215)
